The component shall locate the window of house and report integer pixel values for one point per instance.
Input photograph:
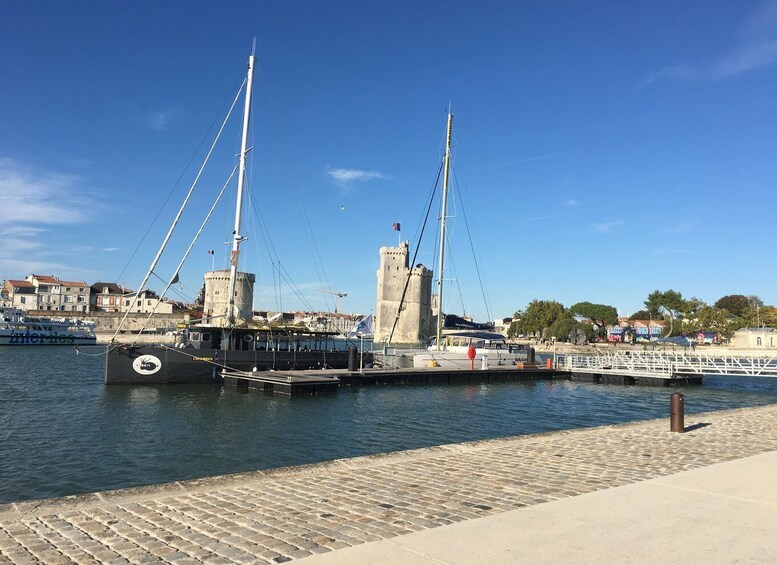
(758, 341)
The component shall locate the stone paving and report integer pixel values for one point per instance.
(285, 514)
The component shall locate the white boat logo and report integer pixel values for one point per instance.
(146, 364)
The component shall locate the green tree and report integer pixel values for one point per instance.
(561, 327)
(640, 315)
(600, 314)
(736, 304)
(539, 315)
(669, 302)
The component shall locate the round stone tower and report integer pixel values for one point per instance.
(216, 300)
(415, 321)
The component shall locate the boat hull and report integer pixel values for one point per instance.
(168, 365)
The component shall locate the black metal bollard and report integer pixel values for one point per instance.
(353, 359)
(677, 412)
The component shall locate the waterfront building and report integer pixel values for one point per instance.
(415, 321)
(106, 297)
(754, 338)
(630, 330)
(327, 321)
(74, 296)
(47, 291)
(19, 294)
(146, 303)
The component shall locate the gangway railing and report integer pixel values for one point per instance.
(671, 363)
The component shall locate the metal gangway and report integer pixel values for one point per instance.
(671, 364)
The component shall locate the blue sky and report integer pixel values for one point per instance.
(602, 150)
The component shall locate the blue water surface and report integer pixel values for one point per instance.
(62, 431)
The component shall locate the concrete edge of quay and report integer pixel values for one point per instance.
(25, 509)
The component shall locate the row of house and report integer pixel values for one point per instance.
(47, 292)
(635, 330)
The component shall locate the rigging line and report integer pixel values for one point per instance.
(180, 212)
(456, 275)
(272, 252)
(294, 288)
(186, 254)
(472, 247)
(415, 255)
(318, 263)
(177, 182)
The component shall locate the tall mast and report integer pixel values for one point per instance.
(236, 237)
(443, 218)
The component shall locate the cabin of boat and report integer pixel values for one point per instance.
(265, 339)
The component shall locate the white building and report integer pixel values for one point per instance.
(147, 302)
(754, 338)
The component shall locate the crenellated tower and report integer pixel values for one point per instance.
(415, 321)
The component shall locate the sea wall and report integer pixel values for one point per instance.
(109, 321)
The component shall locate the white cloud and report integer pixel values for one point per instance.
(685, 227)
(355, 175)
(605, 227)
(757, 50)
(39, 197)
(160, 120)
(32, 202)
(571, 202)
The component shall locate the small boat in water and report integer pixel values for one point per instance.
(463, 349)
(18, 329)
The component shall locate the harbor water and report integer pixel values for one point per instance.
(63, 432)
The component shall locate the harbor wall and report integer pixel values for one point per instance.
(108, 321)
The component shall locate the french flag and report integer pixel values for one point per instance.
(395, 226)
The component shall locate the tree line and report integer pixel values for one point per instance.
(550, 319)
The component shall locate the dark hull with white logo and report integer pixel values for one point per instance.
(184, 366)
(198, 362)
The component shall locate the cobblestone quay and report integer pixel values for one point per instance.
(284, 514)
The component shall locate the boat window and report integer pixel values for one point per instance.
(205, 336)
(195, 336)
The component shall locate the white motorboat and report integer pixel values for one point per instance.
(18, 329)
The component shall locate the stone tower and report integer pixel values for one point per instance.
(415, 322)
(215, 303)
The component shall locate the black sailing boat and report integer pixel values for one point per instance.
(229, 342)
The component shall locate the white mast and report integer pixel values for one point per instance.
(236, 237)
(443, 217)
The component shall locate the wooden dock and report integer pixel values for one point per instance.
(327, 381)
(288, 383)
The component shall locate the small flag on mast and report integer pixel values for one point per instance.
(395, 226)
(211, 252)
